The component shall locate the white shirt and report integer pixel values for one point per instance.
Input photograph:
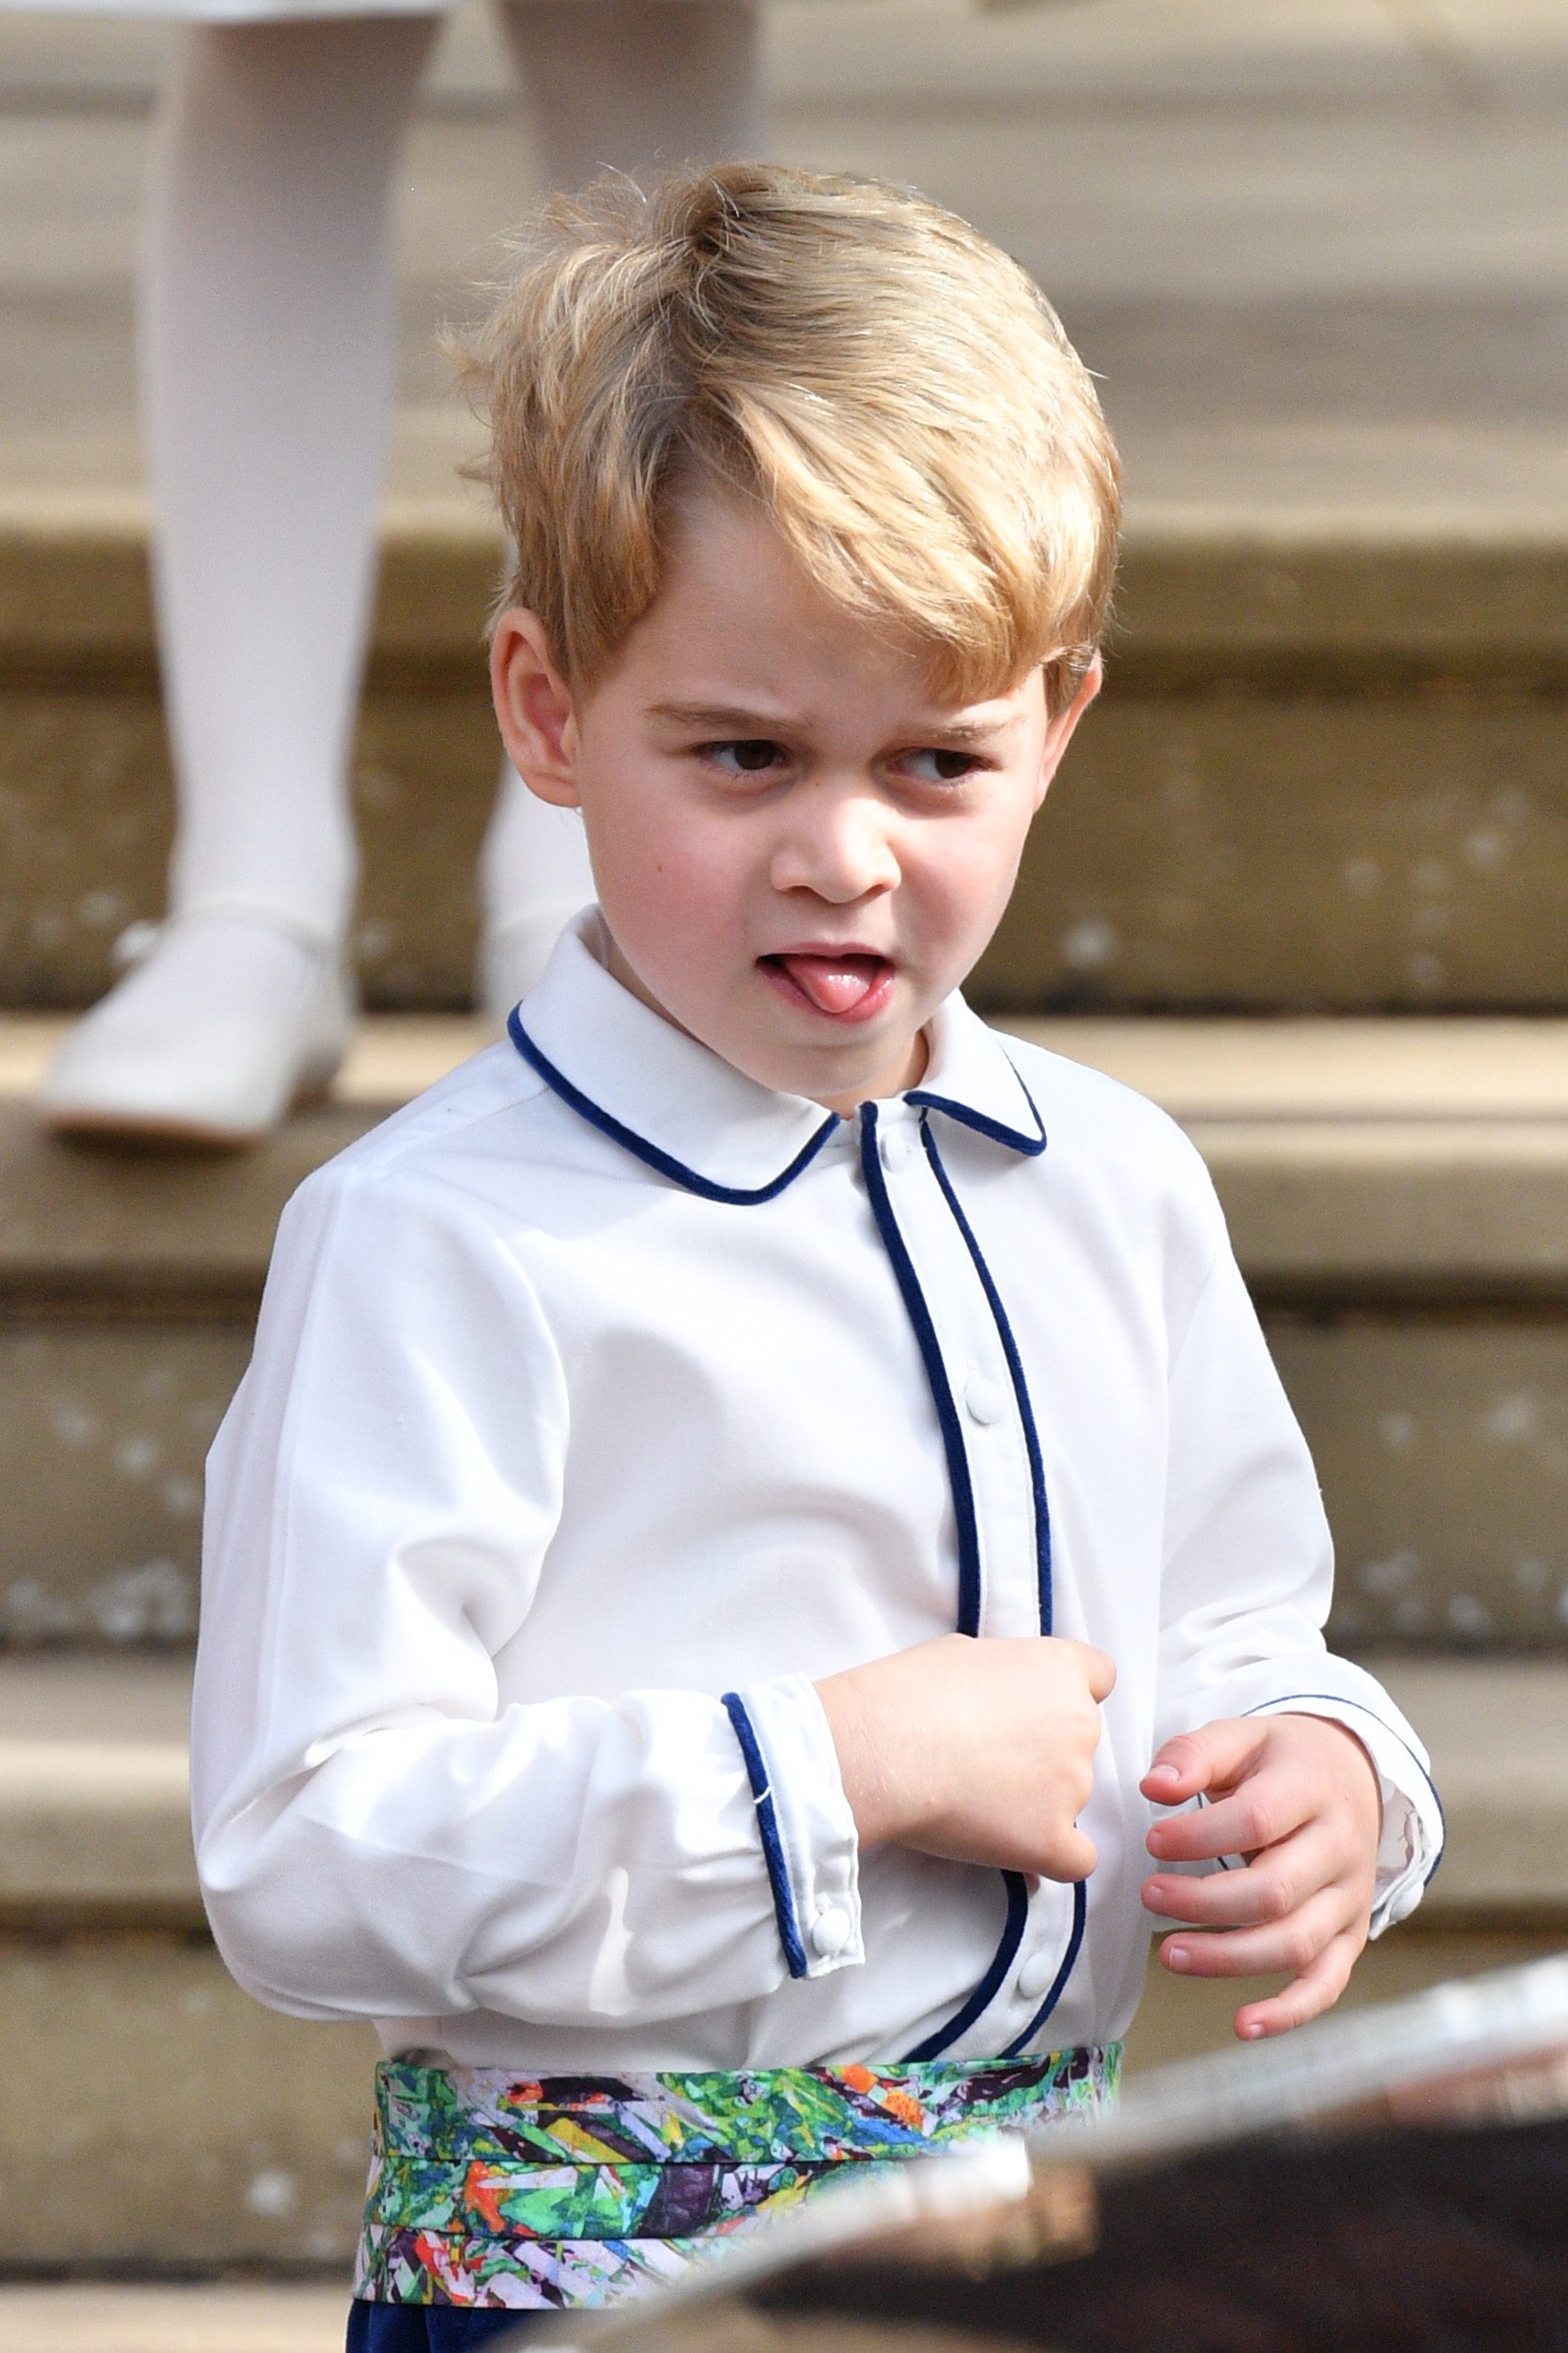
(602, 1400)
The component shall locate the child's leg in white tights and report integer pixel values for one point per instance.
(630, 84)
(267, 357)
(634, 85)
(267, 351)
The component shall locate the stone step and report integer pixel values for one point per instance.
(132, 2316)
(1313, 255)
(95, 1809)
(1326, 773)
(217, 2134)
(1380, 1165)
(123, 2030)
(1398, 1194)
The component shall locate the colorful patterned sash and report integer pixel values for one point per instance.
(486, 2188)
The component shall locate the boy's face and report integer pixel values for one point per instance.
(798, 851)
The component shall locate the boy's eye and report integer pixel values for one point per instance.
(747, 755)
(946, 767)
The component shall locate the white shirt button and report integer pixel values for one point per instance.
(831, 1931)
(984, 1399)
(897, 1145)
(1035, 1978)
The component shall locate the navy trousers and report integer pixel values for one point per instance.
(432, 2328)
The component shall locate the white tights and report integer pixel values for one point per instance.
(267, 355)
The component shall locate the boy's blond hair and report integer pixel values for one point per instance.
(896, 391)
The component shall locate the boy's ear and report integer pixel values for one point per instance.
(533, 708)
(1058, 735)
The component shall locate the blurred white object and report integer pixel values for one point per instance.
(267, 371)
(225, 1020)
(1491, 2048)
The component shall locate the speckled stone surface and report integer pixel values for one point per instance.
(85, 815)
(1442, 1450)
(1314, 246)
(1281, 849)
(215, 2132)
(102, 1439)
(1443, 1454)
(1332, 778)
(94, 1828)
(1401, 1209)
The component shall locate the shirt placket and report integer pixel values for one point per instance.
(974, 1366)
(921, 1214)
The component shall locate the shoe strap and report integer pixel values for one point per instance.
(138, 940)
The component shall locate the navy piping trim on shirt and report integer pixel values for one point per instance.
(767, 1825)
(936, 1374)
(1338, 1700)
(1080, 1914)
(969, 1579)
(1015, 1370)
(667, 1165)
(963, 1507)
(998, 1132)
(991, 1984)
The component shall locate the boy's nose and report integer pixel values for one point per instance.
(837, 848)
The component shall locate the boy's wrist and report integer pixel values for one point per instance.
(879, 1817)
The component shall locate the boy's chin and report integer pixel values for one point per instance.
(841, 1077)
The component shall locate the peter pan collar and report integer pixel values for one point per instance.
(681, 1109)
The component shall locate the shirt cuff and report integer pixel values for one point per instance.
(803, 1822)
(1411, 1845)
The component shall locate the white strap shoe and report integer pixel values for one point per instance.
(228, 1017)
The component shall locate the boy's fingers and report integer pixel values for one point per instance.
(1210, 1759)
(1269, 1889)
(1290, 1945)
(1072, 1857)
(1259, 1814)
(1307, 1996)
(1101, 1671)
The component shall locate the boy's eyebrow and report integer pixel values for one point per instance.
(970, 730)
(719, 715)
(732, 718)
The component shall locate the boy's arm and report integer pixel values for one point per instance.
(375, 1834)
(1248, 1575)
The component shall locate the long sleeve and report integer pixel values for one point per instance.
(1248, 1577)
(376, 1833)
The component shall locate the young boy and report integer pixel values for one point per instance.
(645, 1422)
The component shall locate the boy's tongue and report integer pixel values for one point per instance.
(835, 984)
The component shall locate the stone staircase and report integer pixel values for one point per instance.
(1301, 880)
(1396, 1181)
(1327, 777)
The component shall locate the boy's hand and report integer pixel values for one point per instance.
(1298, 1798)
(982, 1751)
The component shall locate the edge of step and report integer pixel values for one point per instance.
(94, 1808)
(141, 2316)
(73, 584)
(95, 1802)
(1362, 1163)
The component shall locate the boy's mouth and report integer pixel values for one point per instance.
(846, 985)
